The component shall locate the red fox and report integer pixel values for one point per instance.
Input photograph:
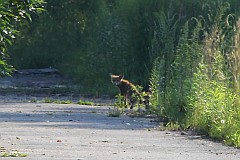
(127, 89)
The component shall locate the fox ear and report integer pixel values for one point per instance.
(121, 76)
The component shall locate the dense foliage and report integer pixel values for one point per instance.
(187, 50)
(12, 16)
(201, 87)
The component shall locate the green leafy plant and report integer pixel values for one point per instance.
(13, 16)
(154, 84)
(119, 106)
(47, 100)
(213, 106)
(119, 101)
(200, 85)
(6, 154)
(173, 126)
(84, 102)
(63, 101)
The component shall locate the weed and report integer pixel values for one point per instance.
(173, 126)
(47, 100)
(63, 102)
(6, 154)
(119, 102)
(200, 86)
(83, 102)
(213, 106)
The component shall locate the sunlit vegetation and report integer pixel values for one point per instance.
(186, 50)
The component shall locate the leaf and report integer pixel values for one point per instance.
(29, 16)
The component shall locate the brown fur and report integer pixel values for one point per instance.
(127, 89)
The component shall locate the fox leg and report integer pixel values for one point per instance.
(131, 105)
(125, 100)
(133, 102)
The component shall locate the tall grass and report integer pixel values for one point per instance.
(213, 106)
(154, 84)
(164, 31)
(232, 125)
(201, 79)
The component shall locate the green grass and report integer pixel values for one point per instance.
(6, 154)
(63, 102)
(201, 89)
(83, 102)
(47, 100)
(80, 102)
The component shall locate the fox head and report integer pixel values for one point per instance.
(116, 79)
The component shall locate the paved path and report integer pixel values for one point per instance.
(73, 132)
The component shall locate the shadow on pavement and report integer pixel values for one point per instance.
(70, 116)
